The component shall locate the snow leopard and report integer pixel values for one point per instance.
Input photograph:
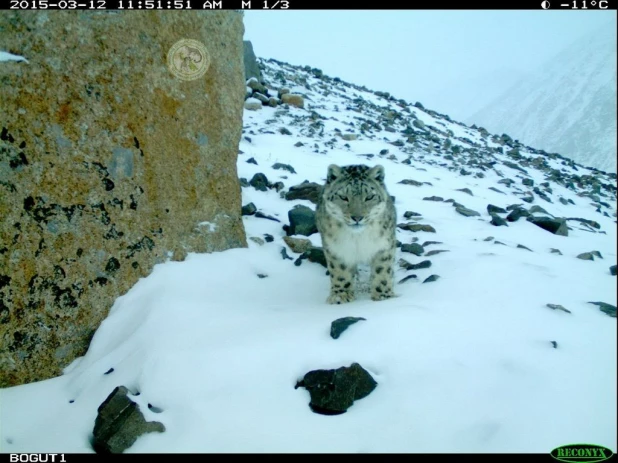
(356, 219)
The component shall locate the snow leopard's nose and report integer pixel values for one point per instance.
(357, 218)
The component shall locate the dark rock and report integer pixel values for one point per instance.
(563, 201)
(506, 181)
(555, 251)
(302, 221)
(466, 190)
(284, 131)
(528, 198)
(521, 246)
(261, 215)
(606, 308)
(252, 68)
(586, 256)
(249, 209)
(252, 161)
(287, 167)
(284, 254)
(496, 190)
(528, 182)
(341, 324)
(410, 214)
(428, 243)
(268, 238)
(512, 165)
(541, 194)
(612, 270)
(558, 307)
(334, 391)
(119, 423)
(491, 209)
(538, 210)
(466, 212)
(308, 190)
(278, 186)
(298, 144)
(259, 182)
(315, 254)
(591, 223)
(431, 278)
(498, 221)
(409, 277)
(517, 213)
(262, 275)
(416, 227)
(555, 226)
(433, 198)
(411, 182)
(489, 238)
(436, 251)
(408, 266)
(554, 344)
(413, 248)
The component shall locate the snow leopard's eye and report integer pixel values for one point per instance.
(370, 197)
(343, 198)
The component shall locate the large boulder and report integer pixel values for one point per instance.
(252, 69)
(109, 164)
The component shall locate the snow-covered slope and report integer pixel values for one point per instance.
(568, 106)
(474, 361)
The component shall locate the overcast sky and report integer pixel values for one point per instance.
(435, 57)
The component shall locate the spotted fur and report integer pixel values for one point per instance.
(356, 219)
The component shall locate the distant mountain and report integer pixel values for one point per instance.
(464, 97)
(568, 106)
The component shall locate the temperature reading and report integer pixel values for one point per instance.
(585, 4)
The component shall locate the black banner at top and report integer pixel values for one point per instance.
(263, 5)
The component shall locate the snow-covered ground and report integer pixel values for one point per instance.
(216, 344)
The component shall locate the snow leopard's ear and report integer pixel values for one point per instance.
(377, 173)
(334, 172)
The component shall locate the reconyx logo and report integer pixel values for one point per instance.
(578, 453)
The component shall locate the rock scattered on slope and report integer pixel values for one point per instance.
(341, 324)
(466, 212)
(293, 100)
(298, 245)
(606, 308)
(431, 278)
(436, 251)
(334, 391)
(287, 167)
(314, 254)
(558, 307)
(555, 226)
(433, 198)
(612, 270)
(416, 227)
(413, 248)
(253, 104)
(408, 266)
(411, 214)
(260, 182)
(302, 221)
(491, 209)
(119, 423)
(249, 209)
(498, 221)
(306, 190)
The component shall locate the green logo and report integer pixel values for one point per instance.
(580, 453)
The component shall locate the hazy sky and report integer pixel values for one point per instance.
(431, 56)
